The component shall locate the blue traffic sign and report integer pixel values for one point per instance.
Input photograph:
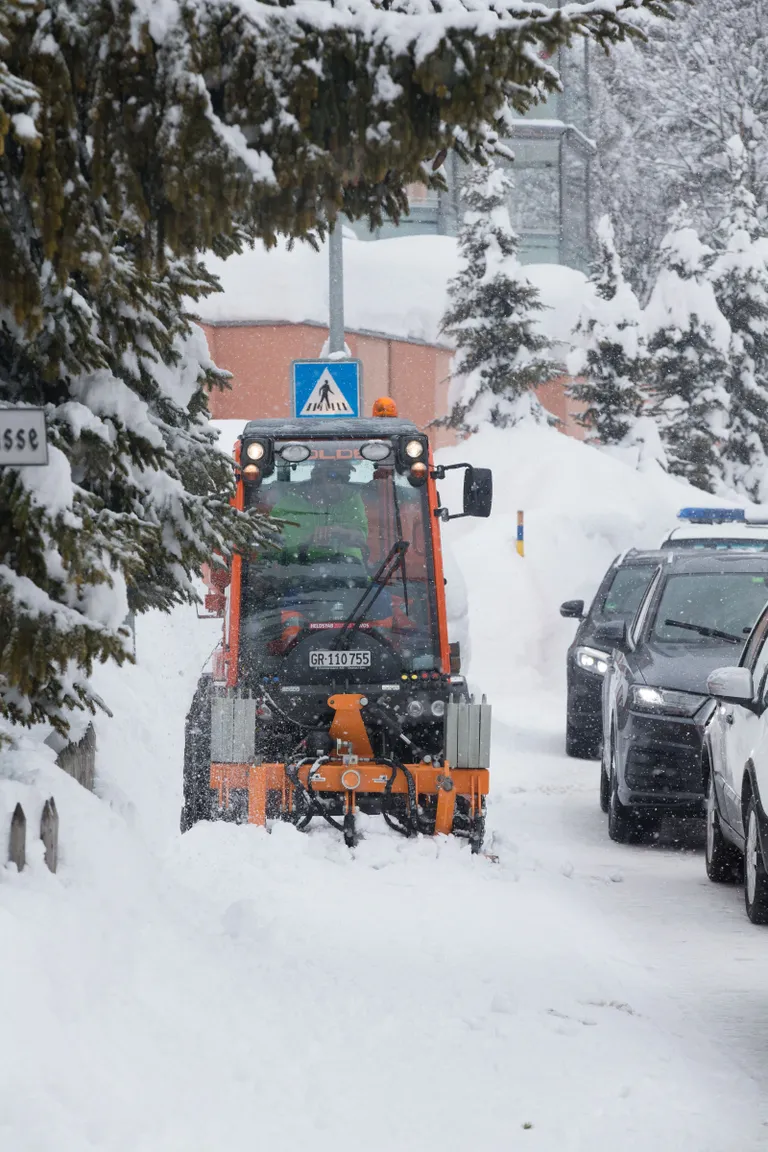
(326, 387)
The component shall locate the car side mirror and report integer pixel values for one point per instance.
(478, 492)
(572, 609)
(732, 686)
(611, 634)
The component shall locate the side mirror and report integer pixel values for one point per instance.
(478, 492)
(731, 685)
(611, 634)
(573, 609)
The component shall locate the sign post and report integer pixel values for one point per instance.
(23, 442)
(335, 290)
(326, 388)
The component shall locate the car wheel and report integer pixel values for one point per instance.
(579, 744)
(621, 825)
(723, 860)
(755, 876)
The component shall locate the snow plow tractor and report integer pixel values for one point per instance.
(335, 690)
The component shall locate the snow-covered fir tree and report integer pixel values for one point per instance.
(609, 357)
(688, 341)
(663, 112)
(134, 136)
(491, 314)
(740, 278)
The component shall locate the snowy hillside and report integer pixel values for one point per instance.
(232, 989)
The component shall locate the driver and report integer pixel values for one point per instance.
(325, 517)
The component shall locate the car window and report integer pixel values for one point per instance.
(756, 643)
(709, 607)
(645, 607)
(625, 592)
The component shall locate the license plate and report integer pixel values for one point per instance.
(327, 658)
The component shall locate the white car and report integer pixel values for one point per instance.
(719, 528)
(735, 771)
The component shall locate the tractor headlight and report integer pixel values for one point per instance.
(592, 660)
(414, 449)
(375, 450)
(293, 453)
(255, 450)
(438, 708)
(664, 701)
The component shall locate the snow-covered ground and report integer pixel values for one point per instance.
(233, 989)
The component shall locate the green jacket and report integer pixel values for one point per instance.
(304, 516)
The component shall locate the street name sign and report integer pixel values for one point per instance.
(22, 437)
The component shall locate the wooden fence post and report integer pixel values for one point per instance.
(49, 833)
(17, 846)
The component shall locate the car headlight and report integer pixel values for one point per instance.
(592, 660)
(664, 701)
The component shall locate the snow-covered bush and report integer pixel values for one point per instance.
(491, 314)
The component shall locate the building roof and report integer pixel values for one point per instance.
(395, 288)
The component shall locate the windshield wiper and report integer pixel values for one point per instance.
(381, 577)
(703, 630)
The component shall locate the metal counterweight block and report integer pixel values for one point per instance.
(233, 729)
(468, 735)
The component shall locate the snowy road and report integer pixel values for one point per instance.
(231, 989)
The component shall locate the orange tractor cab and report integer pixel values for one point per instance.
(336, 689)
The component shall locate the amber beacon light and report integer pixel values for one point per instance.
(384, 406)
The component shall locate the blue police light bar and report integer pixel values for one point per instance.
(712, 515)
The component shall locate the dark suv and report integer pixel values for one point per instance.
(696, 616)
(618, 598)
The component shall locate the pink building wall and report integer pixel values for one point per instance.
(415, 375)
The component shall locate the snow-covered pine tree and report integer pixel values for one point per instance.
(609, 355)
(663, 112)
(740, 278)
(132, 137)
(688, 342)
(491, 313)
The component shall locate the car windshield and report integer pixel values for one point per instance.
(626, 591)
(709, 607)
(349, 523)
(716, 545)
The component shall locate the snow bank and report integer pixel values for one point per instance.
(582, 507)
(396, 287)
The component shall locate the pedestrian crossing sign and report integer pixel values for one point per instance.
(327, 388)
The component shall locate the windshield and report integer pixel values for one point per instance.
(626, 591)
(349, 587)
(718, 545)
(710, 607)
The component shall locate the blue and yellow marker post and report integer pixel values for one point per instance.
(520, 542)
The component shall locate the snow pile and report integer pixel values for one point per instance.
(582, 507)
(396, 287)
